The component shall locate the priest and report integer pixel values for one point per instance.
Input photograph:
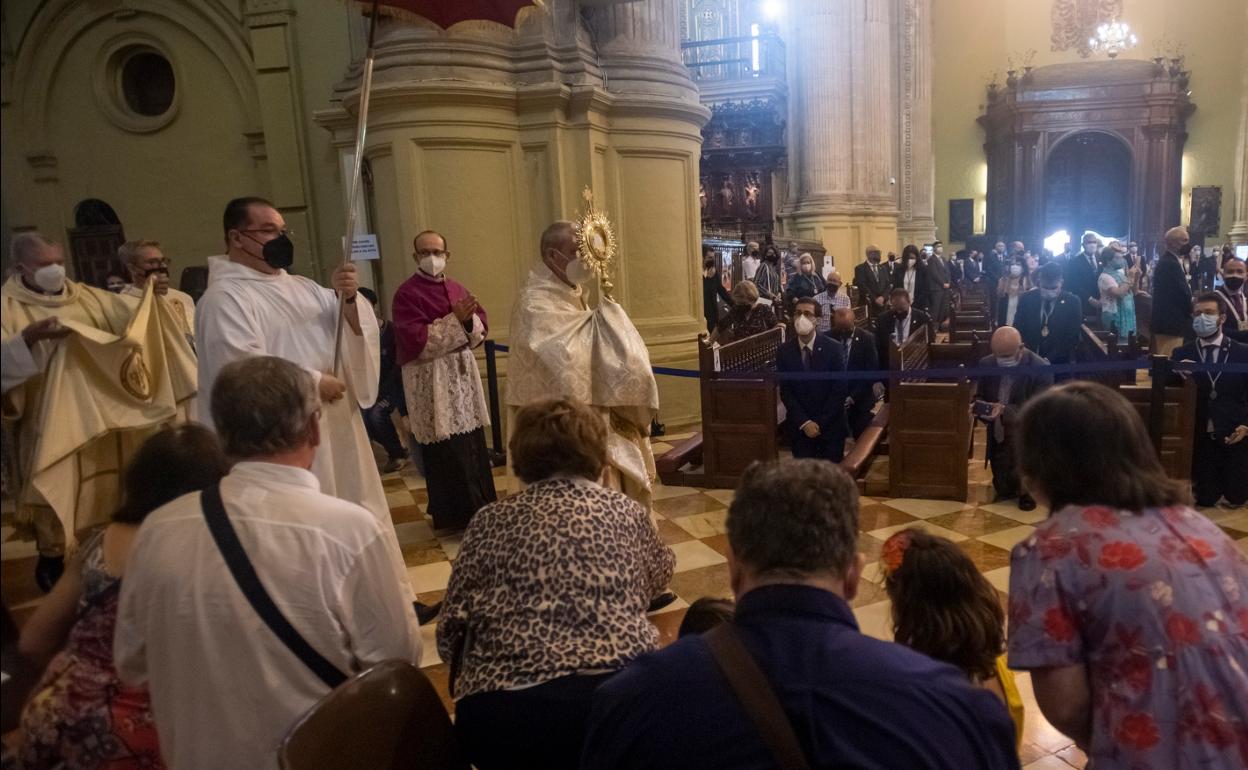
(253, 307)
(84, 380)
(562, 347)
(145, 261)
(437, 324)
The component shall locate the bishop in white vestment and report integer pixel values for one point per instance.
(559, 346)
(252, 306)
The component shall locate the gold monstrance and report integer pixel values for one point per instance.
(595, 242)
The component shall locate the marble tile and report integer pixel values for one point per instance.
(415, 555)
(660, 448)
(676, 438)
(704, 581)
(430, 597)
(664, 492)
(450, 545)
(703, 524)
(670, 533)
(869, 546)
(873, 572)
(429, 645)
(719, 543)
(973, 522)
(694, 554)
(987, 557)
(406, 513)
(1008, 538)
(399, 499)
(413, 480)
(722, 495)
(883, 534)
(1000, 578)
(869, 593)
(877, 516)
(876, 620)
(429, 577)
(413, 532)
(1010, 511)
(925, 509)
(687, 505)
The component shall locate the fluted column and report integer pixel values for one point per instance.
(843, 119)
(639, 46)
(1239, 229)
(916, 193)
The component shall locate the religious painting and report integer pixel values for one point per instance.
(1206, 211)
(1075, 22)
(752, 189)
(961, 219)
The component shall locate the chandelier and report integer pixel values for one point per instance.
(1113, 39)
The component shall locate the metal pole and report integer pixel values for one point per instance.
(1159, 373)
(498, 456)
(361, 127)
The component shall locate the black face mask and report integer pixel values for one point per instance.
(874, 259)
(1234, 284)
(278, 253)
(842, 334)
(1185, 249)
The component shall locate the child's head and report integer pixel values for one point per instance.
(942, 606)
(704, 614)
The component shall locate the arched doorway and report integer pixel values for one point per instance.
(93, 242)
(1087, 186)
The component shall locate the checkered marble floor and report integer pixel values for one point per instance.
(691, 521)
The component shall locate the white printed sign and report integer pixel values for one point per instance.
(364, 247)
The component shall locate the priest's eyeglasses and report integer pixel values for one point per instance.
(269, 231)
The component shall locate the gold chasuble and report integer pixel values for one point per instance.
(99, 393)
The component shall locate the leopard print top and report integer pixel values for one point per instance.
(549, 582)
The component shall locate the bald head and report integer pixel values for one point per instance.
(842, 322)
(559, 248)
(1006, 342)
(1017, 247)
(1177, 238)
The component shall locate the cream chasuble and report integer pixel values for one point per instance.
(248, 313)
(180, 303)
(93, 397)
(560, 347)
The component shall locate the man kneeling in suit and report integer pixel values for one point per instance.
(815, 407)
(1220, 450)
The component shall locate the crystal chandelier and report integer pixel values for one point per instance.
(1113, 39)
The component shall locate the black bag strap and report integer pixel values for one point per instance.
(249, 583)
(756, 696)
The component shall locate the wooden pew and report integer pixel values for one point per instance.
(929, 426)
(1097, 346)
(1178, 423)
(738, 415)
(964, 323)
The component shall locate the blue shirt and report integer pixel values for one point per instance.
(854, 701)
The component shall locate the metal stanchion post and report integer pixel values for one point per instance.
(1159, 372)
(498, 454)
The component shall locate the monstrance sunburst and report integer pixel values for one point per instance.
(595, 242)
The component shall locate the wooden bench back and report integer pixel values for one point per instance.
(738, 415)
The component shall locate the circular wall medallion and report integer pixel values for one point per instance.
(135, 83)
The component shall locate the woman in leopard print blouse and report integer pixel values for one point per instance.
(548, 595)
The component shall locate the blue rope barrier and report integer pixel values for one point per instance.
(975, 372)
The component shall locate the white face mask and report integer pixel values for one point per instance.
(50, 278)
(803, 325)
(1016, 270)
(578, 272)
(433, 265)
(1007, 360)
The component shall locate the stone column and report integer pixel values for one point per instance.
(916, 183)
(639, 47)
(843, 122)
(1239, 229)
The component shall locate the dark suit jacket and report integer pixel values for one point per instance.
(1080, 278)
(921, 296)
(1065, 325)
(887, 323)
(1230, 408)
(1032, 377)
(871, 288)
(864, 356)
(971, 270)
(820, 400)
(994, 268)
(1172, 298)
(937, 273)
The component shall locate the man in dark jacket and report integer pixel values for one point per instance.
(861, 355)
(1082, 270)
(939, 282)
(1049, 319)
(873, 280)
(1005, 396)
(1172, 296)
(815, 408)
(899, 323)
(1220, 450)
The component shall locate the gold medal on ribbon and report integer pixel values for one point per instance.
(1044, 331)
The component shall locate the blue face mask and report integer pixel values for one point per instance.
(1205, 325)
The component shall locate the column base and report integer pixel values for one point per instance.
(1238, 233)
(845, 235)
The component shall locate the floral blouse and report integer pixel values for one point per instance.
(1155, 605)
